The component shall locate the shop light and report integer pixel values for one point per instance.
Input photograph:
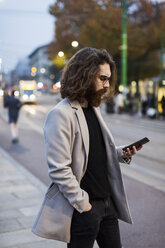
(133, 83)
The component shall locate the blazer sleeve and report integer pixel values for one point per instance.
(120, 155)
(59, 134)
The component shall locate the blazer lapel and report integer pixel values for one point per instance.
(83, 125)
(83, 128)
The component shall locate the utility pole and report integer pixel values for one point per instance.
(124, 45)
(162, 76)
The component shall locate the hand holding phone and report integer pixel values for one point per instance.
(137, 144)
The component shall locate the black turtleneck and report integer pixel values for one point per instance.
(95, 181)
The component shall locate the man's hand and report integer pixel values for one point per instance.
(89, 207)
(129, 153)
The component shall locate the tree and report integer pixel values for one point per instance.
(144, 31)
(97, 23)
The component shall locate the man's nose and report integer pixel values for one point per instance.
(107, 84)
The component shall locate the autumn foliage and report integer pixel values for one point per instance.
(98, 23)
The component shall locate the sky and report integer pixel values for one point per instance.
(24, 26)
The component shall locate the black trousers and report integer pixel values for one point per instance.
(100, 224)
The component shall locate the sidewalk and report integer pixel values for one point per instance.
(21, 195)
(20, 199)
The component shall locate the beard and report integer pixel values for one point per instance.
(94, 97)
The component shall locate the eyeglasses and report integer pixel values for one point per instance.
(104, 79)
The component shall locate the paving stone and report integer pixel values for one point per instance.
(26, 222)
(30, 211)
(20, 201)
(17, 238)
(9, 225)
(10, 214)
(19, 188)
(6, 197)
(7, 177)
(43, 244)
(21, 181)
(47, 243)
(8, 204)
(5, 183)
(6, 164)
(30, 194)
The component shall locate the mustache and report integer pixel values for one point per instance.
(97, 97)
(94, 97)
(101, 92)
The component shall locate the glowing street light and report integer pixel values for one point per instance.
(42, 70)
(74, 43)
(33, 74)
(40, 85)
(52, 76)
(60, 53)
(34, 69)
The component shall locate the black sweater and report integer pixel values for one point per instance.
(95, 181)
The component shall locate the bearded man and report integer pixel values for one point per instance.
(86, 197)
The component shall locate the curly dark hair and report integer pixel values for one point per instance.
(80, 73)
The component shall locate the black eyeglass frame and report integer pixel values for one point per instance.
(104, 79)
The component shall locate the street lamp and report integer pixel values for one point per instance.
(74, 43)
(60, 53)
(34, 69)
(124, 45)
(42, 70)
(52, 76)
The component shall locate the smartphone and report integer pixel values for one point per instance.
(137, 144)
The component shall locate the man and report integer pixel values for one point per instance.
(86, 196)
(13, 104)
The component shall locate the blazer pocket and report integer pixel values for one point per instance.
(52, 191)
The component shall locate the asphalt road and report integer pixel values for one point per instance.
(144, 180)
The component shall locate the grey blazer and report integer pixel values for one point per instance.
(67, 146)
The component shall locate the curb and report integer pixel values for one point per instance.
(34, 180)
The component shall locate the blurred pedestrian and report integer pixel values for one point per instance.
(13, 104)
(130, 102)
(163, 106)
(119, 103)
(86, 197)
(5, 96)
(110, 105)
(151, 100)
(144, 105)
(151, 111)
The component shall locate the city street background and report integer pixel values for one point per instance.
(144, 178)
(37, 38)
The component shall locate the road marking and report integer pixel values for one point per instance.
(30, 110)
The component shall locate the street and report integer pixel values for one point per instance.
(144, 178)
